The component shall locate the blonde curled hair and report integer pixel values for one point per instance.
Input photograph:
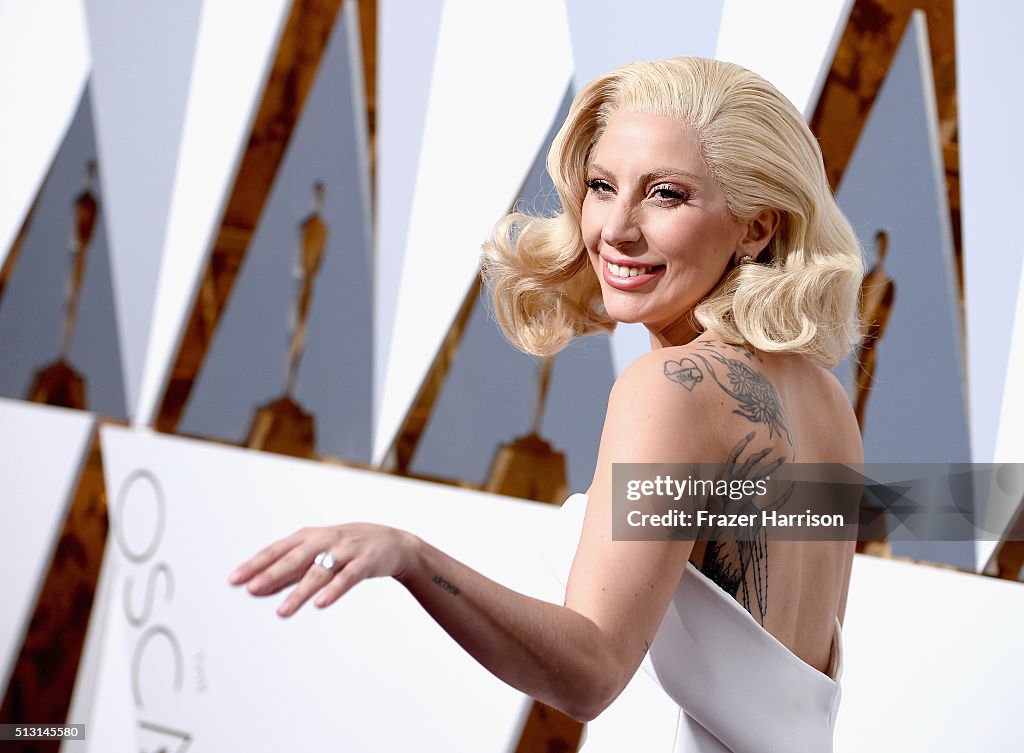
(803, 295)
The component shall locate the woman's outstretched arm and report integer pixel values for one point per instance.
(577, 657)
(550, 652)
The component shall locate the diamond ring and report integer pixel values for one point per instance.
(325, 560)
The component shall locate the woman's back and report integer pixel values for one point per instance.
(778, 407)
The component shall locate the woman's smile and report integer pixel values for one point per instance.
(629, 275)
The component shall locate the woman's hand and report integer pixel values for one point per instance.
(359, 551)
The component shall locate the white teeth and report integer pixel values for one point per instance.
(618, 271)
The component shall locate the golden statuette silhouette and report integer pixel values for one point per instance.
(877, 293)
(59, 383)
(529, 467)
(282, 425)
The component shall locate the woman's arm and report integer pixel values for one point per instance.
(577, 657)
(550, 652)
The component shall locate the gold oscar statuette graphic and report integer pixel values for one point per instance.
(59, 383)
(282, 425)
(529, 467)
(877, 293)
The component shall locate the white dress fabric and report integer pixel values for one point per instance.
(738, 689)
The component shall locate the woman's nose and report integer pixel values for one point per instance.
(620, 226)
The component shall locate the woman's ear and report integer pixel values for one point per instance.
(758, 232)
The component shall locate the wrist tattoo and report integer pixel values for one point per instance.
(446, 585)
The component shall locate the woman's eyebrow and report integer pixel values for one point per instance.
(669, 172)
(657, 174)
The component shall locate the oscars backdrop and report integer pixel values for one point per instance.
(239, 294)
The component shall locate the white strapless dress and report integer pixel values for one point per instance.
(738, 689)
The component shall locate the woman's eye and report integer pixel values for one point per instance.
(599, 186)
(669, 194)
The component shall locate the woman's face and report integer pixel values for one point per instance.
(655, 224)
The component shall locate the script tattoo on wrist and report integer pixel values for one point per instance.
(446, 585)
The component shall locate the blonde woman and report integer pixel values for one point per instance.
(694, 202)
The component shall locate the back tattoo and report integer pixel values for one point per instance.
(740, 568)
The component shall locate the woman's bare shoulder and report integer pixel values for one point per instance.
(670, 379)
(697, 398)
(687, 366)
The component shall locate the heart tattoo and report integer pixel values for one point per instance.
(685, 372)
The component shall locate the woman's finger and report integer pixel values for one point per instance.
(263, 558)
(352, 573)
(283, 572)
(315, 578)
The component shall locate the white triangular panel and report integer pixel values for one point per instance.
(481, 135)
(1009, 447)
(232, 61)
(789, 42)
(641, 30)
(406, 47)
(141, 61)
(42, 450)
(646, 30)
(44, 53)
(990, 112)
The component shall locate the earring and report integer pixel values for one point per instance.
(746, 259)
